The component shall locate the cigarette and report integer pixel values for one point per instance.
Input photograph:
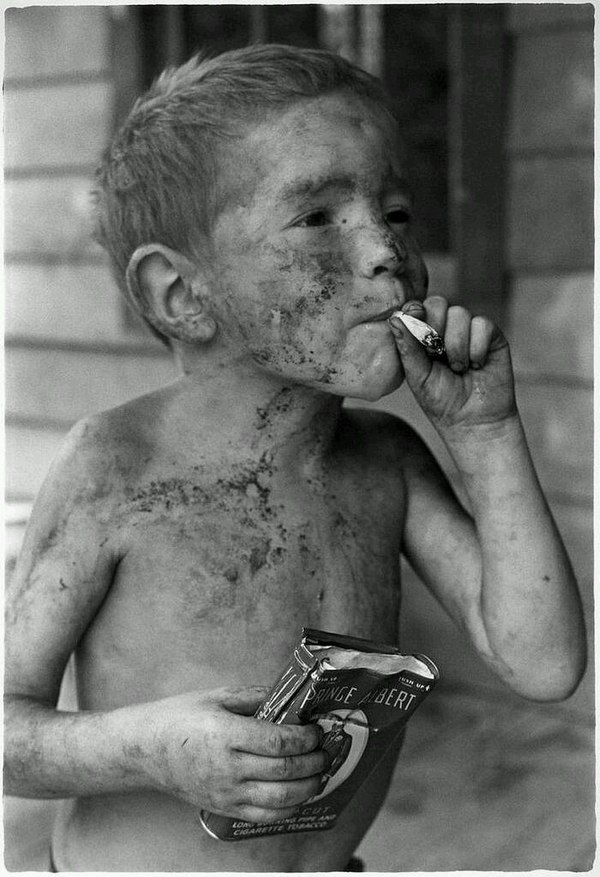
(424, 333)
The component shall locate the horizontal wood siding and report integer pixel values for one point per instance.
(550, 259)
(29, 450)
(552, 93)
(538, 17)
(64, 385)
(548, 265)
(55, 41)
(550, 317)
(61, 301)
(551, 212)
(48, 217)
(550, 236)
(36, 135)
(558, 421)
(69, 350)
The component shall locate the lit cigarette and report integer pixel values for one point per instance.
(424, 333)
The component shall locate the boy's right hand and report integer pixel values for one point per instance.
(210, 751)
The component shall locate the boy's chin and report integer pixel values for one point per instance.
(378, 373)
(376, 388)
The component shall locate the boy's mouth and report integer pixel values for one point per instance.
(382, 316)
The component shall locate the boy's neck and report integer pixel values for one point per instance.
(249, 412)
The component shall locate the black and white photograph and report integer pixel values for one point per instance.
(298, 389)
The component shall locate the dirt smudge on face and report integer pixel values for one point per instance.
(327, 291)
(329, 375)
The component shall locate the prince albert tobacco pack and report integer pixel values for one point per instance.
(361, 693)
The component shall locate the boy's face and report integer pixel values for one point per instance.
(313, 249)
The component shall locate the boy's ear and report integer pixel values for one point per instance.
(170, 291)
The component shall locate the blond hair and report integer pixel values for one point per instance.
(157, 179)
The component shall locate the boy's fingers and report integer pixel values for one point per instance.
(457, 338)
(415, 360)
(436, 308)
(281, 795)
(262, 814)
(414, 308)
(292, 767)
(277, 741)
(244, 701)
(482, 332)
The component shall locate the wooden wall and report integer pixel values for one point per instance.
(550, 257)
(68, 348)
(70, 351)
(548, 289)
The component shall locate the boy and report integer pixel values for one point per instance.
(258, 206)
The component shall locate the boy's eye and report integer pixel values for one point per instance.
(398, 216)
(314, 219)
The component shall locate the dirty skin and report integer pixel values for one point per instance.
(308, 308)
(242, 501)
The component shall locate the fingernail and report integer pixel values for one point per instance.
(413, 309)
(395, 322)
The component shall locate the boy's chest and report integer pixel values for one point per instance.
(216, 561)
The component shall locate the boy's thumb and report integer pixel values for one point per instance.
(244, 701)
(415, 360)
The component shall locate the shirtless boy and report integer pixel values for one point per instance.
(259, 207)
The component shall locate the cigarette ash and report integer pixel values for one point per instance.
(434, 343)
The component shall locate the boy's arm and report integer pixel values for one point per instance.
(504, 575)
(203, 747)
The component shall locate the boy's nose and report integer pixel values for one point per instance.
(379, 252)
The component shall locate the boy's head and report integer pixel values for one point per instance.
(159, 181)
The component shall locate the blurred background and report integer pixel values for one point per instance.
(496, 106)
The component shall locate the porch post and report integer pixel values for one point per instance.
(476, 153)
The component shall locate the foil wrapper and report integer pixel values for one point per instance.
(361, 693)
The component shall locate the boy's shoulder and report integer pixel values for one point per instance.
(103, 451)
(101, 458)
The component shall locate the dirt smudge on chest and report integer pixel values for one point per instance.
(246, 487)
(279, 404)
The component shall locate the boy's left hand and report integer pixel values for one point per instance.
(472, 386)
